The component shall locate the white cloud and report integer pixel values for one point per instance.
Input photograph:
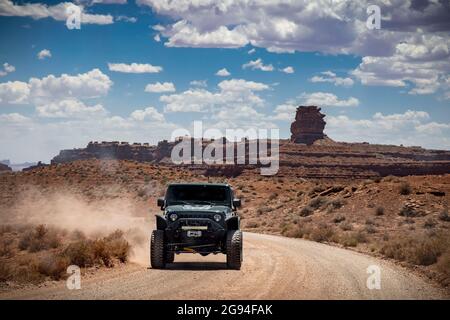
(157, 38)
(134, 68)
(251, 51)
(285, 112)
(421, 60)
(56, 12)
(223, 73)
(257, 65)
(149, 113)
(7, 68)
(199, 83)
(325, 99)
(51, 88)
(13, 118)
(14, 92)
(45, 53)
(126, 19)
(328, 76)
(69, 108)
(413, 39)
(411, 128)
(186, 35)
(232, 93)
(288, 70)
(84, 85)
(160, 87)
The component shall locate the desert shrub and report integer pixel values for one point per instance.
(429, 223)
(263, 209)
(5, 229)
(321, 233)
(379, 211)
(77, 235)
(54, 266)
(118, 246)
(346, 226)
(80, 253)
(370, 228)
(297, 231)
(443, 266)
(306, 211)
(141, 192)
(352, 239)
(443, 215)
(316, 189)
(336, 204)
(5, 272)
(40, 238)
(405, 188)
(338, 218)
(273, 196)
(408, 212)
(317, 202)
(6, 247)
(419, 250)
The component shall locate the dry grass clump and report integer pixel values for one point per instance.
(322, 233)
(87, 253)
(443, 266)
(318, 202)
(31, 255)
(352, 239)
(405, 189)
(379, 211)
(419, 250)
(39, 238)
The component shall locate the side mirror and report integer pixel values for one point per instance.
(160, 202)
(236, 203)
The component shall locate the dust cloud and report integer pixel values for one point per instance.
(74, 212)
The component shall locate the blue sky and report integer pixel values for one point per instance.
(396, 93)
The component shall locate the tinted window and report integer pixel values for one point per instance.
(200, 193)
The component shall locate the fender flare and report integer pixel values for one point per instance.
(233, 223)
(161, 223)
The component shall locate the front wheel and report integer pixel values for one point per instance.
(234, 249)
(157, 258)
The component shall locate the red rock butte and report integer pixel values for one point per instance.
(308, 125)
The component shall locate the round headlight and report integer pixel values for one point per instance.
(173, 216)
(217, 217)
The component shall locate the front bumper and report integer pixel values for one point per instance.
(212, 239)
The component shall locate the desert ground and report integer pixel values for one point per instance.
(99, 213)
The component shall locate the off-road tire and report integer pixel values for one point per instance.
(234, 249)
(157, 257)
(170, 257)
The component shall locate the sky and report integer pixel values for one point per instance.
(137, 70)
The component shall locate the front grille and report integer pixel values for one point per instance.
(193, 215)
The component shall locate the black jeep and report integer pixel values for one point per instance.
(198, 218)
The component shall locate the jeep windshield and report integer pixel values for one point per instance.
(198, 194)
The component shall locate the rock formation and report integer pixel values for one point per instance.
(308, 125)
(4, 167)
(109, 150)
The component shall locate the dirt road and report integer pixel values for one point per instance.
(274, 268)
